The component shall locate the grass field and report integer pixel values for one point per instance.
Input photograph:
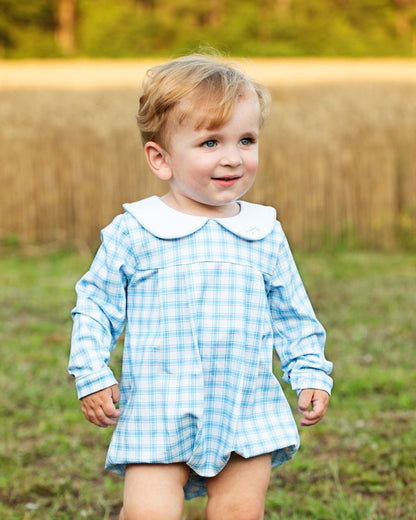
(358, 464)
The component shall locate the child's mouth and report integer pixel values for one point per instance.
(226, 181)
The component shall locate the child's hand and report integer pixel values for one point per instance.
(99, 408)
(318, 399)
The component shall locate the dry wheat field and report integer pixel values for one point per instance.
(338, 154)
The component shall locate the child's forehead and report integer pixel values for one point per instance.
(207, 110)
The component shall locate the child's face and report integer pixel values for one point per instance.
(208, 170)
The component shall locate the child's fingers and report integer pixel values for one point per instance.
(305, 399)
(311, 417)
(94, 414)
(318, 399)
(115, 393)
(109, 409)
(99, 408)
(101, 417)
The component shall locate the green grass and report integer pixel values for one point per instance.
(359, 463)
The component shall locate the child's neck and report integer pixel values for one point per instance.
(201, 210)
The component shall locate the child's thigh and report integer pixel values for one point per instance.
(154, 491)
(239, 491)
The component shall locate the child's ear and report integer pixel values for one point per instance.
(156, 158)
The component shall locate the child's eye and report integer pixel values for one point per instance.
(210, 143)
(245, 141)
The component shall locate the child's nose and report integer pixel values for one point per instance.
(232, 157)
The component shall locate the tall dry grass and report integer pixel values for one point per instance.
(338, 161)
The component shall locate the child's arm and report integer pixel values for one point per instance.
(99, 315)
(99, 408)
(319, 400)
(299, 338)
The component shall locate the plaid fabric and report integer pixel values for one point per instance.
(202, 314)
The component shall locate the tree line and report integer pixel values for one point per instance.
(136, 28)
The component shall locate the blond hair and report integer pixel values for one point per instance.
(211, 89)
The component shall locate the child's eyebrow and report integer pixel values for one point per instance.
(216, 132)
(206, 134)
(250, 133)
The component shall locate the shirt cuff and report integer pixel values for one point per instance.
(94, 382)
(308, 378)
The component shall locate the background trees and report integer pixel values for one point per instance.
(133, 28)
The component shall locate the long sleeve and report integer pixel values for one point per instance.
(100, 312)
(299, 338)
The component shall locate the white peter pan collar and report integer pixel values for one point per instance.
(254, 221)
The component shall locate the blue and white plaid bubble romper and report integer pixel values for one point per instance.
(204, 302)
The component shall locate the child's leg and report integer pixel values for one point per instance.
(154, 491)
(239, 491)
